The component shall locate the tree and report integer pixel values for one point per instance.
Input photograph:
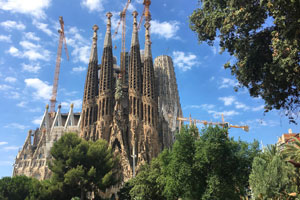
(264, 37)
(211, 166)
(20, 188)
(80, 167)
(271, 176)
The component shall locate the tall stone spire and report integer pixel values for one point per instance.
(150, 110)
(135, 93)
(89, 106)
(135, 78)
(91, 81)
(105, 99)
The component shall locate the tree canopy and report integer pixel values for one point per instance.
(211, 166)
(264, 37)
(272, 176)
(81, 166)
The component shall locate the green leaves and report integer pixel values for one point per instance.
(211, 166)
(264, 37)
(271, 175)
(80, 165)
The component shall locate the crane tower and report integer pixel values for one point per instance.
(62, 40)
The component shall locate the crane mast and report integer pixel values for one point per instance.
(123, 47)
(62, 40)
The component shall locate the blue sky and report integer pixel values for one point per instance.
(28, 46)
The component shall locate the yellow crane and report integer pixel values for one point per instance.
(146, 13)
(223, 123)
(62, 40)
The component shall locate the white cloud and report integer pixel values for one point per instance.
(6, 163)
(31, 36)
(81, 50)
(31, 68)
(34, 8)
(202, 106)
(9, 25)
(259, 108)
(242, 106)
(81, 54)
(5, 87)
(93, 5)
(14, 51)
(10, 79)
(22, 104)
(231, 100)
(3, 143)
(34, 51)
(227, 82)
(78, 69)
(131, 8)
(184, 61)
(139, 1)
(15, 126)
(42, 89)
(77, 103)
(37, 120)
(11, 148)
(225, 113)
(227, 100)
(165, 30)
(5, 38)
(43, 27)
(14, 95)
(30, 51)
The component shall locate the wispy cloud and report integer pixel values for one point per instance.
(78, 69)
(10, 25)
(42, 89)
(202, 106)
(8, 148)
(77, 103)
(10, 79)
(31, 68)
(43, 27)
(81, 50)
(16, 126)
(227, 100)
(37, 120)
(93, 5)
(226, 113)
(258, 108)
(3, 143)
(231, 100)
(31, 36)
(5, 87)
(30, 7)
(227, 82)
(184, 61)
(30, 51)
(5, 38)
(166, 30)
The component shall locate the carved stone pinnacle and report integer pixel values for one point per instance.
(95, 28)
(109, 15)
(135, 14)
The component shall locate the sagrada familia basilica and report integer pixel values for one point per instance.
(134, 107)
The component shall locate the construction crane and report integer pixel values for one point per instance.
(123, 47)
(223, 123)
(146, 13)
(62, 40)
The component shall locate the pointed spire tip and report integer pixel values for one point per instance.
(95, 28)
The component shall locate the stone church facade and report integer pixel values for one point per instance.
(134, 108)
